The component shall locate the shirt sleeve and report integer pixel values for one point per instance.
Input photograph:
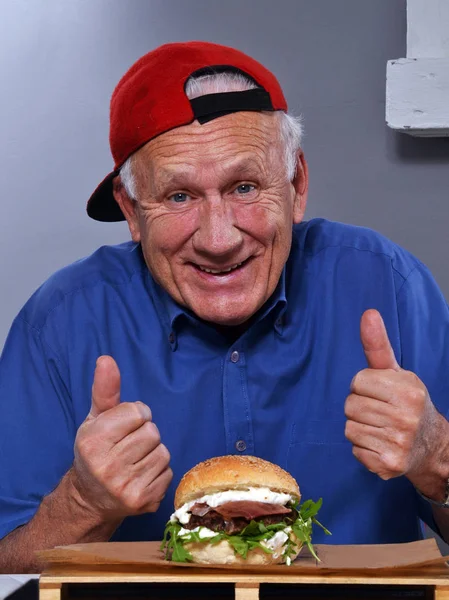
(424, 329)
(37, 428)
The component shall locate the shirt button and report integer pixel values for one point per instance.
(171, 338)
(240, 445)
(235, 356)
(279, 321)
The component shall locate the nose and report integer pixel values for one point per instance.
(217, 234)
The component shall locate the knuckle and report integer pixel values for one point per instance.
(159, 486)
(360, 379)
(168, 478)
(403, 441)
(84, 445)
(132, 499)
(144, 409)
(412, 422)
(134, 412)
(349, 430)
(125, 407)
(116, 487)
(393, 464)
(355, 452)
(417, 395)
(412, 377)
(105, 473)
(159, 494)
(355, 381)
(164, 454)
(151, 433)
(154, 432)
(136, 409)
(350, 406)
(404, 422)
(366, 374)
(148, 429)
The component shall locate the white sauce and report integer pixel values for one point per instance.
(204, 532)
(276, 543)
(255, 494)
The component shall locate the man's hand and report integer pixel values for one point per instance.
(393, 425)
(120, 467)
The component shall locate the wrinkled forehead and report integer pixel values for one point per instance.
(238, 138)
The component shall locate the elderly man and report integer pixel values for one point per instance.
(227, 325)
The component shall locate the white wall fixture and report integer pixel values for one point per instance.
(417, 99)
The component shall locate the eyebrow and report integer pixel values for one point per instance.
(236, 169)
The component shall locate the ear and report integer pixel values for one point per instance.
(301, 188)
(128, 207)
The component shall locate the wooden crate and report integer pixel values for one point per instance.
(247, 584)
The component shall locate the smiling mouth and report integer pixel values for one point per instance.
(222, 271)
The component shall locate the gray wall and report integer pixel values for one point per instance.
(59, 61)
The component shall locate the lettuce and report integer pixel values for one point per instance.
(250, 537)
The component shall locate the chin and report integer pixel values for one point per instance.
(227, 322)
(227, 317)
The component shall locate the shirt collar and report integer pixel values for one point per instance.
(276, 304)
(171, 313)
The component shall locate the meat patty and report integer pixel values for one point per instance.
(233, 517)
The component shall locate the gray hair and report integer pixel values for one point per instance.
(290, 127)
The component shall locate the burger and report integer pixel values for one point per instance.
(239, 510)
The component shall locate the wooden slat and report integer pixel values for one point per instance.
(49, 591)
(441, 593)
(246, 591)
(61, 574)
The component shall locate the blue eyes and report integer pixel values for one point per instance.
(241, 190)
(180, 197)
(245, 188)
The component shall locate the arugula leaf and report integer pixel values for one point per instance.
(173, 546)
(251, 537)
(309, 508)
(326, 531)
(239, 544)
(252, 529)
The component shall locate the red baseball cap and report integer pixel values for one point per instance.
(150, 99)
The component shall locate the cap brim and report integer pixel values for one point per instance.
(102, 206)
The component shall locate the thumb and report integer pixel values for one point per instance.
(376, 345)
(106, 386)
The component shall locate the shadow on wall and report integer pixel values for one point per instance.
(415, 149)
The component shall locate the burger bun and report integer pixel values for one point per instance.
(233, 473)
(223, 554)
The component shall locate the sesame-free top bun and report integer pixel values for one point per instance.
(233, 473)
(223, 554)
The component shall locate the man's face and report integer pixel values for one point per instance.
(215, 212)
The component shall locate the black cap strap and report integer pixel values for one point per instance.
(209, 107)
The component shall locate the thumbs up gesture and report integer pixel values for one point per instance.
(391, 421)
(121, 467)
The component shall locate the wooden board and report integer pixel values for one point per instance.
(413, 564)
(246, 584)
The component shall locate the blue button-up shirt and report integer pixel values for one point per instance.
(277, 391)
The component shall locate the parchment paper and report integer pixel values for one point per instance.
(413, 555)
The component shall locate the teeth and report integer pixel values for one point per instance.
(216, 272)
